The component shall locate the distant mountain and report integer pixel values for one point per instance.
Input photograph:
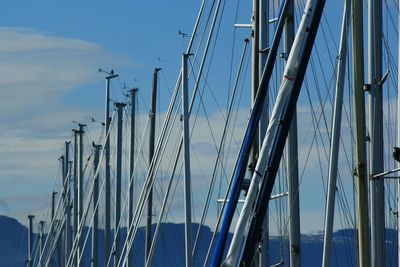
(169, 250)
(13, 242)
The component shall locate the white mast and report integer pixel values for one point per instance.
(81, 222)
(291, 70)
(186, 162)
(107, 211)
(131, 169)
(67, 192)
(41, 241)
(334, 150)
(95, 228)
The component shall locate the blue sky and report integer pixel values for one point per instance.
(49, 56)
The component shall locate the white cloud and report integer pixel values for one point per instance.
(38, 70)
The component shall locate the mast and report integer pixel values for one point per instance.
(359, 112)
(186, 163)
(75, 202)
(241, 164)
(255, 74)
(131, 169)
(263, 45)
(398, 145)
(292, 163)
(60, 222)
(279, 124)
(95, 228)
(41, 241)
(54, 222)
(334, 150)
(67, 190)
(107, 212)
(30, 241)
(81, 223)
(151, 153)
(117, 249)
(376, 128)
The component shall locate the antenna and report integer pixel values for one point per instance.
(110, 73)
(184, 35)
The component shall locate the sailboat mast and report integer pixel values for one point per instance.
(30, 241)
(107, 223)
(41, 241)
(186, 162)
(67, 192)
(131, 170)
(292, 162)
(95, 228)
(263, 45)
(376, 129)
(61, 223)
(75, 186)
(255, 74)
(80, 192)
(151, 153)
(117, 249)
(334, 150)
(398, 144)
(359, 125)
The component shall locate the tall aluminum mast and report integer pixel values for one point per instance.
(359, 112)
(151, 153)
(131, 170)
(292, 161)
(376, 128)
(334, 150)
(107, 211)
(117, 229)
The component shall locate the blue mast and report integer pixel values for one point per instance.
(241, 165)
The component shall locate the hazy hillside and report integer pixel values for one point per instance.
(169, 251)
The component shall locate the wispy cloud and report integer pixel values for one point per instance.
(38, 70)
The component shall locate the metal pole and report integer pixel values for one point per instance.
(263, 44)
(280, 122)
(54, 222)
(359, 112)
(186, 163)
(95, 228)
(376, 126)
(81, 223)
(107, 223)
(41, 241)
(242, 159)
(67, 190)
(30, 241)
(75, 201)
(398, 144)
(117, 249)
(131, 169)
(292, 162)
(151, 153)
(255, 75)
(60, 250)
(334, 151)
